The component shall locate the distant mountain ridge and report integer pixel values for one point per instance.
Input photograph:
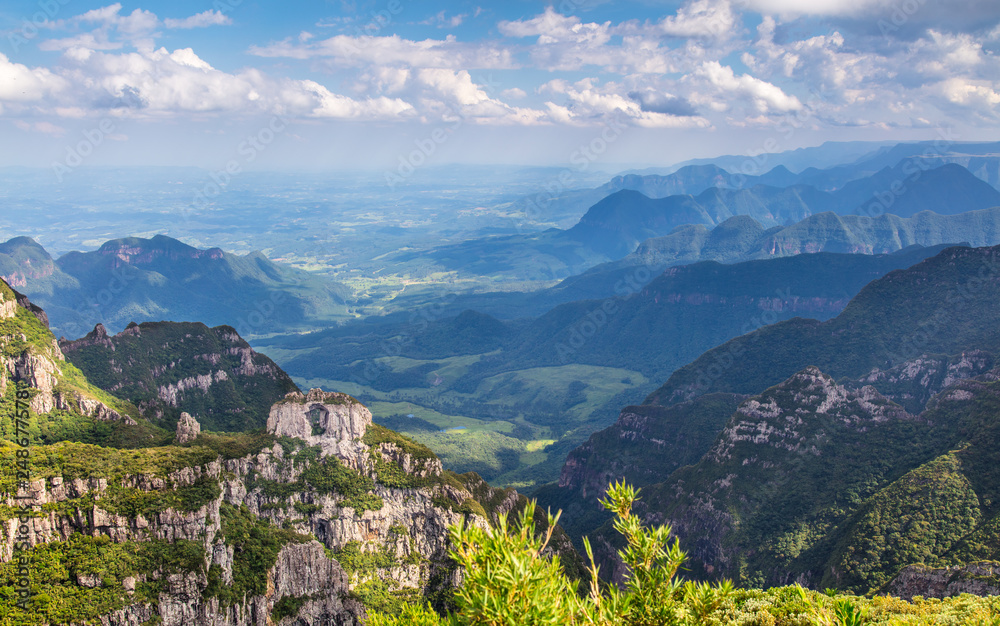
(833, 453)
(870, 332)
(166, 368)
(617, 224)
(136, 280)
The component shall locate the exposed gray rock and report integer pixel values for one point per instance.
(188, 429)
(980, 579)
(335, 422)
(411, 525)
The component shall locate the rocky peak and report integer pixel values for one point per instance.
(97, 337)
(34, 309)
(38, 364)
(794, 414)
(188, 428)
(914, 382)
(333, 421)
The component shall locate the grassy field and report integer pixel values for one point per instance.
(510, 429)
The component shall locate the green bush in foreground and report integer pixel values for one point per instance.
(511, 579)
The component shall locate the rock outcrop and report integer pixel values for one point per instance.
(35, 360)
(168, 368)
(335, 422)
(356, 488)
(188, 429)
(981, 579)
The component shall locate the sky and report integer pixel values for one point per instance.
(392, 84)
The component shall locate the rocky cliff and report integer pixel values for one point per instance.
(830, 484)
(270, 526)
(169, 368)
(31, 358)
(107, 518)
(980, 579)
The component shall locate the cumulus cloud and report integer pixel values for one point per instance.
(587, 101)
(653, 101)
(347, 51)
(765, 97)
(21, 84)
(200, 20)
(160, 82)
(565, 43)
(702, 18)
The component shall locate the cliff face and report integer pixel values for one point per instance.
(335, 422)
(31, 357)
(813, 481)
(169, 368)
(274, 528)
(980, 579)
(913, 383)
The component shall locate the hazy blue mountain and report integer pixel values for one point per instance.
(135, 279)
(980, 158)
(616, 225)
(944, 305)
(828, 154)
(869, 442)
(740, 238)
(906, 189)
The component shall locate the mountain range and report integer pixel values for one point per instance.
(617, 223)
(134, 280)
(548, 378)
(832, 453)
(319, 516)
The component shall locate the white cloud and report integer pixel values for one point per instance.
(564, 43)
(46, 128)
(551, 27)
(462, 97)
(332, 105)
(441, 20)
(514, 93)
(201, 20)
(590, 103)
(791, 8)
(161, 83)
(18, 83)
(764, 96)
(105, 15)
(979, 96)
(702, 18)
(346, 51)
(97, 40)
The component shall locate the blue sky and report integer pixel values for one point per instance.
(363, 84)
